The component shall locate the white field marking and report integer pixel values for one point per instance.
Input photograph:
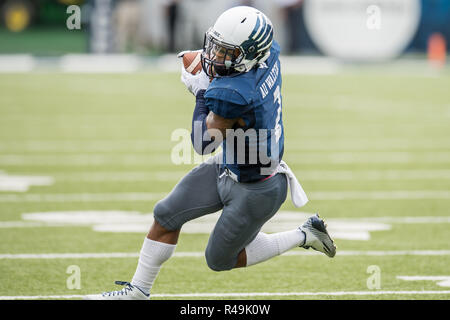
(281, 216)
(352, 144)
(373, 174)
(244, 294)
(21, 224)
(368, 157)
(134, 176)
(201, 254)
(124, 221)
(131, 176)
(92, 124)
(163, 157)
(88, 218)
(391, 253)
(51, 256)
(191, 227)
(442, 281)
(380, 195)
(130, 145)
(100, 63)
(92, 159)
(309, 65)
(406, 220)
(347, 230)
(17, 63)
(82, 197)
(81, 146)
(21, 183)
(333, 175)
(136, 222)
(147, 196)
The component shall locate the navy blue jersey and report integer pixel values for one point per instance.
(254, 96)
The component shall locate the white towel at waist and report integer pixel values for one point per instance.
(298, 195)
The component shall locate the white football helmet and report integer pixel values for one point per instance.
(240, 39)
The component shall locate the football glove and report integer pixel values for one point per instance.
(194, 83)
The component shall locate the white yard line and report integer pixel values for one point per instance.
(246, 294)
(289, 216)
(164, 157)
(135, 145)
(17, 63)
(137, 222)
(82, 146)
(314, 175)
(201, 254)
(146, 196)
(379, 195)
(131, 176)
(403, 220)
(337, 175)
(442, 281)
(23, 224)
(52, 256)
(382, 157)
(85, 160)
(424, 278)
(373, 174)
(172, 175)
(392, 253)
(82, 197)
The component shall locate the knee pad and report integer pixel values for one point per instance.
(162, 214)
(217, 262)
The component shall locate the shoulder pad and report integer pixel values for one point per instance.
(238, 90)
(228, 95)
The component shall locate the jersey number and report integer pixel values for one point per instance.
(277, 99)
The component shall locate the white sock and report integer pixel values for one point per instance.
(266, 246)
(151, 257)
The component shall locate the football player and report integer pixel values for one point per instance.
(241, 109)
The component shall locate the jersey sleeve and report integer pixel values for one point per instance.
(226, 103)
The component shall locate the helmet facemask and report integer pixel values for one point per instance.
(220, 59)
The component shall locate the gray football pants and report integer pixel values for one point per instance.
(246, 207)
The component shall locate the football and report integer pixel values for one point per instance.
(192, 62)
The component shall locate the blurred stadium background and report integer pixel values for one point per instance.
(149, 28)
(87, 113)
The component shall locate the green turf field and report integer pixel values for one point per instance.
(371, 151)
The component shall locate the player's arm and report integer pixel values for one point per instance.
(200, 137)
(209, 128)
(216, 122)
